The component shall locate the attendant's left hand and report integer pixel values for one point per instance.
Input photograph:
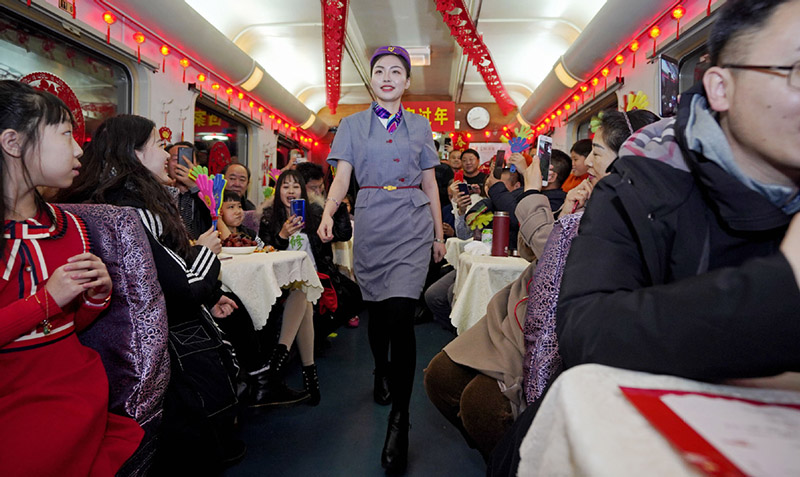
(438, 251)
(224, 307)
(92, 272)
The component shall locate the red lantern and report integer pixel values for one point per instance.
(655, 32)
(164, 51)
(215, 87)
(678, 13)
(109, 18)
(605, 71)
(138, 37)
(619, 60)
(595, 81)
(634, 48)
(229, 92)
(185, 64)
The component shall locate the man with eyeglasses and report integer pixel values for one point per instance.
(688, 257)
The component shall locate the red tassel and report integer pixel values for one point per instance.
(108, 35)
(634, 61)
(708, 9)
(184, 80)
(138, 54)
(164, 65)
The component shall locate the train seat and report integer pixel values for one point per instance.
(131, 337)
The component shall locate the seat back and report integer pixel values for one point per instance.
(131, 335)
(251, 220)
(542, 360)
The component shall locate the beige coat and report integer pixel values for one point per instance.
(495, 345)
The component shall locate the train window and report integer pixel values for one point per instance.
(692, 68)
(102, 87)
(221, 135)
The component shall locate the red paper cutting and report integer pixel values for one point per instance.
(334, 17)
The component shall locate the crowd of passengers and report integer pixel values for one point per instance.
(635, 228)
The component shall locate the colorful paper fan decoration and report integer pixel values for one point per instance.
(197, 171)
(594, 124)
(268, 192)
(636, 101)
(211, 189)
(520, 142)
(480, 218)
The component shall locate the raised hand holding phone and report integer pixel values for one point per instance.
(544, 148)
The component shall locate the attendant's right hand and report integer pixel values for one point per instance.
(62, 287)
(210, 239)
(325, 230)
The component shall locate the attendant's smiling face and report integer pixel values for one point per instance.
(389, 79)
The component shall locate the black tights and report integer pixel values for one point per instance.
(391, 324)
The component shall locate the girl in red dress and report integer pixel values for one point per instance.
(54, 417)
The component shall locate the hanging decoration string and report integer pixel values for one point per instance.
(334, 18)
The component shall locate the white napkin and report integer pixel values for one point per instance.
(477, 248)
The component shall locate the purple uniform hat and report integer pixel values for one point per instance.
(391, 50)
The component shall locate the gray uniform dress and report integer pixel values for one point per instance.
(393, 231)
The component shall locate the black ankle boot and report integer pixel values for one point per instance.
(380, 391)
(394, 457)
(269, 389)
(311, 384)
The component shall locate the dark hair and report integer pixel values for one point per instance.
(230, 196)
(562, 164)
(582, 147)
(402, 60)
(471, 151)
(737, 19)
(278, 215)
(27, 111)
(616, 129)
(310, 171)
(228, 165)
(115, 175)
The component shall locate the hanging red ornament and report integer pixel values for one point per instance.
(655, 32)
(634, 48)
(201, 78)
(576, 98)
(164, 51)
(229, 92)
(594, 82)
(619, 60)
(109, 18)
(678, 13)
(240, 96)
(708, 8)
(184, 62)
(215, 87)
(138, 37)
(605, 71)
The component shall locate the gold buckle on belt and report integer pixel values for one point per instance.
(390, 187)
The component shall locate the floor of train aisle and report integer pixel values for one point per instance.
(343, 436)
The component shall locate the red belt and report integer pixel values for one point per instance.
(389, 187)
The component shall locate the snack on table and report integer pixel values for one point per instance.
(237, 240)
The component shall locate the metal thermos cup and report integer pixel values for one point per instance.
(500, 234)
(299, 208)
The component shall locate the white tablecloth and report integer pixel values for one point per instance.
(454, 247)
(478, 278)
(257, 279)
(586, 426)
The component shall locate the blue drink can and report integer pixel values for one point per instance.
(299, 208)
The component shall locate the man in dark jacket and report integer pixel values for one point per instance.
(686, 263)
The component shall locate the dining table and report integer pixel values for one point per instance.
(602, 421)
(478, 278)
(258, 279)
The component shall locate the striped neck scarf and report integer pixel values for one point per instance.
(394, 119)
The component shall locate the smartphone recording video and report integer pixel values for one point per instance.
(185, 157)
(544, 148)
(499, 164)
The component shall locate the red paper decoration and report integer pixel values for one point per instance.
(138, 37)
(634, 48)
(655, 32)
(334, 19)
(456, 16)
(678, 13)
(215, 87)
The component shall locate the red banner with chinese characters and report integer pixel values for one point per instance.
(441, 114)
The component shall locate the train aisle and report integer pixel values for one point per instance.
(343, 436)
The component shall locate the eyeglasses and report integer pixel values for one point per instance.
(793, 75)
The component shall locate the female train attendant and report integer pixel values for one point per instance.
(396, 221)
(54, 417)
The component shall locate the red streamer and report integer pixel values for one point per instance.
(334, 17)
(462, 29)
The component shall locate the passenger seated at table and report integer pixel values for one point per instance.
(470, 164)
(315, 182)
(125, 165)
(54, 391)
(231, 218)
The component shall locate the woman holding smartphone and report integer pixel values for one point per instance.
(397, 220)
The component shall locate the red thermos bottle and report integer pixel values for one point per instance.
(500, 234)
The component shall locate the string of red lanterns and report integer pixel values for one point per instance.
(334, 18)
(462, 29)
(675, 13)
